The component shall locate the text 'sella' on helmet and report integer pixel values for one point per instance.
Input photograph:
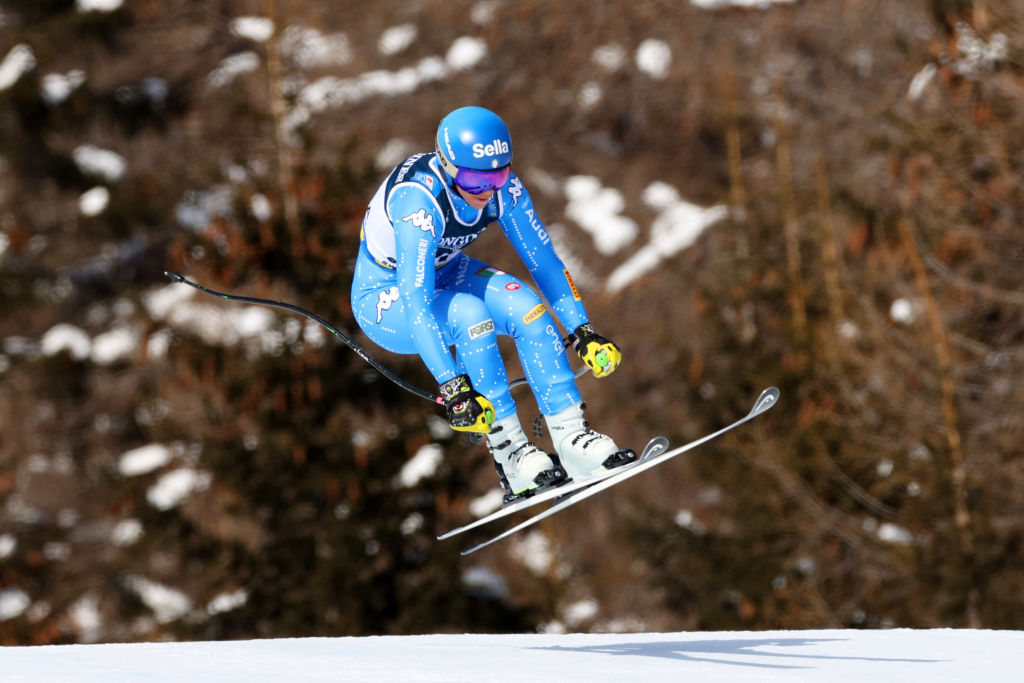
(475, 138)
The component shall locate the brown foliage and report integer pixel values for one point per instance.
(870, 268)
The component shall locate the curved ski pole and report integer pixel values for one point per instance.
(360, 351)
(349, 342)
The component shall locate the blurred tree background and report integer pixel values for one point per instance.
(172, 466)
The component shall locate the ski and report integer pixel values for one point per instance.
(768, 398)
(653, 448)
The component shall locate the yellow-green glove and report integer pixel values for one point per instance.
(601, 355)
(468, 410)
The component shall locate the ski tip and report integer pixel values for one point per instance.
(449, 534)
(768, 398)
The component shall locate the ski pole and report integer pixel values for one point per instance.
(349, 342)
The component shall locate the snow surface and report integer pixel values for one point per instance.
(721, 4)
(64, 337)
(654, 57)
(677, 227)
(19, 61)
(421, 466)
(837, 656)
(94, 202)
(331, 92)
(56, 88)
(232, 67)
(144, 460)
(905, 311)
(102, 163)
(253, 28)
(396, 39)
(173, 487)
(98, 5)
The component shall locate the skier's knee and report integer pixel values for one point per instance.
(468, 316)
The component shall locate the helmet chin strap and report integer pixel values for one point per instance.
(449, 178)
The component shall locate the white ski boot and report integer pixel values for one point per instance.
(522, 467)
(583, 452)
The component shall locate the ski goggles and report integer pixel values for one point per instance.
(478, 182)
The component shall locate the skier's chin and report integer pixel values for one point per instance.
(477, 201)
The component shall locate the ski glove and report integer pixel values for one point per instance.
(468, 410)
(601, 355)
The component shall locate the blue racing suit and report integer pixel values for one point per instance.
(414, 291)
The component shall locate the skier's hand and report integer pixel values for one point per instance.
(601, 355)
(468, 410)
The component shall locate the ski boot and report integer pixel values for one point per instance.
(583, 452)
(522, 468)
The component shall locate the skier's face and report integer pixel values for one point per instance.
(477, 201)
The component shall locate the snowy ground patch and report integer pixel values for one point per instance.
(98, 5)
(100, 163)
(598, 210)
(64, 337)
(677, 227)
(173, 487)
(421, 466)
(18, 62)
(837, 656)
(144, 460)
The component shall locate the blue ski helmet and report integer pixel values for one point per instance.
(473, 138)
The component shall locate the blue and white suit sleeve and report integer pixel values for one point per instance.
(527, 234)
(418, 230)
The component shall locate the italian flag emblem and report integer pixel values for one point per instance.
(488, 271)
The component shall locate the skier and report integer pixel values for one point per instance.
(415, 291)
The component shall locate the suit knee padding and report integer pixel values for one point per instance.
(469, 317)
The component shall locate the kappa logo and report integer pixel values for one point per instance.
(422, 220)
(480, 329)
(385, 300)
(537, 311)
(515, 189)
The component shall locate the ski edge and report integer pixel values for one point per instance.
(654, 447)
(765, 401)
